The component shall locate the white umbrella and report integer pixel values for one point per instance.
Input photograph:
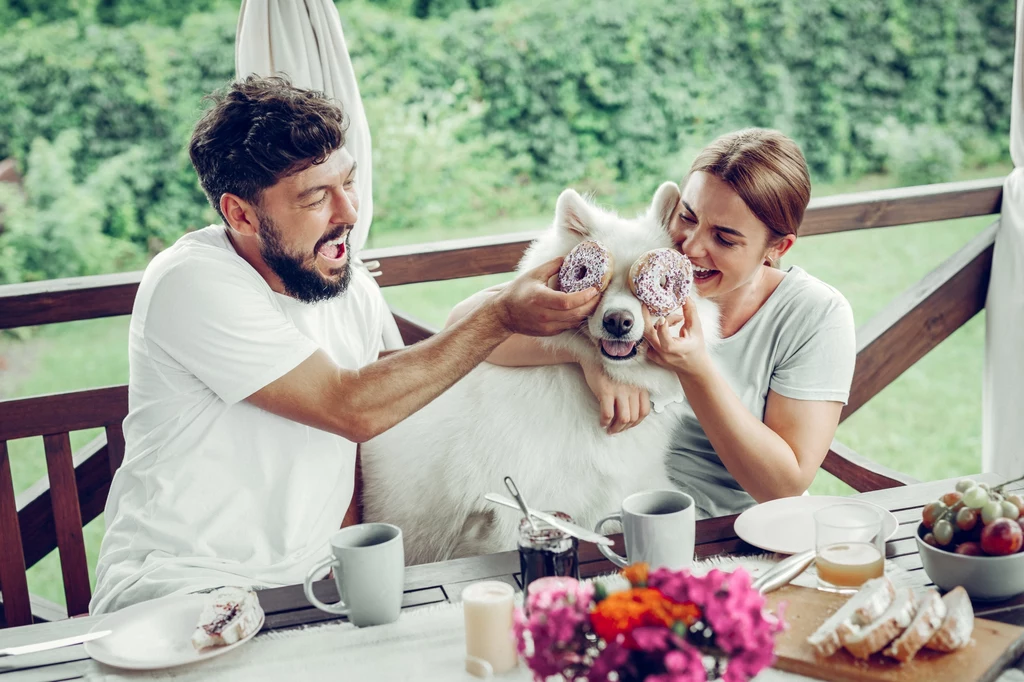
(1003, 416)
(303, 40)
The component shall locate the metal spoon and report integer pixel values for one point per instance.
(510, 484)
(572, 529)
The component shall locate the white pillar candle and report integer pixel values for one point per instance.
(488, 611)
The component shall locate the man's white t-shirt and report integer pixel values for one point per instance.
(213, 490)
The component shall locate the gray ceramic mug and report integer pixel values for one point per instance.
(659, 527)
(369, 572)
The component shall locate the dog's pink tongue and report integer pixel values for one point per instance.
(617, 349)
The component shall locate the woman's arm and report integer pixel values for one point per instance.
(622, 406)
(774, 458)
(777, 457)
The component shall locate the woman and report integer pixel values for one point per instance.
(762, 411)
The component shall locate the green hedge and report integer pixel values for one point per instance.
(490, 112)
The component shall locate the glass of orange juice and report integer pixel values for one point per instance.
(849, 546)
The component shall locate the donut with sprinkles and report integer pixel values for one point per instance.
(661, 279)
(589, 264)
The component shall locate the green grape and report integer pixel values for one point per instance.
(943, 532)
(975, 497)
(964, 484)
(929, 539)
(1010, 510)
(985, 486)
(991, 511)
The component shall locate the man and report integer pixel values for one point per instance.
(252, 360)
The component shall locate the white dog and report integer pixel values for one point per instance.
(539, 425)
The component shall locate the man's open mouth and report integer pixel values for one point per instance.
(618, 350)
(334, 250)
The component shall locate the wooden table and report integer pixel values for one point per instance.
(286, 607)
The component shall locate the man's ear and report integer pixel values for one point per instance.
(664, 204)
(239, 214)
(572, 212)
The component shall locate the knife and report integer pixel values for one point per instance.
(53, 644)
(565, 526)
(784, 572)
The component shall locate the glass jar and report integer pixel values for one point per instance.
(547, 551)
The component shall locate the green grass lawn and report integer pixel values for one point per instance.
(926, 424)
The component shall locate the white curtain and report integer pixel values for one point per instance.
(303, 40)
(1003, 416)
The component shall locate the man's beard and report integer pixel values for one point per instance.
(300, 280)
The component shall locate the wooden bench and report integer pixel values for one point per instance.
(51, 514)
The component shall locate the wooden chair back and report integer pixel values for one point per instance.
(53, 514)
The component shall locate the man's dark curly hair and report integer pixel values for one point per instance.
(258, 131)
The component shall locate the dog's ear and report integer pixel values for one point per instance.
(572, 212)
(663, 207)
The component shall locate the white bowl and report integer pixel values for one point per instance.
(986, 578)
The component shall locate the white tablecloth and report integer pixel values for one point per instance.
(424, 645)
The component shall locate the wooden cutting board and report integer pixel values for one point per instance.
(995, 646)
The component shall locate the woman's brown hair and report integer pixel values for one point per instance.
(767, 170)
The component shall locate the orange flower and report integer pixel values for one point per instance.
(636, 574)
(622, 612)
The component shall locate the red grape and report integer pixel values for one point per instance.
(949, 499)
(932, 512)
(967, 518)
(1001, 537)
(969, 548)
(929, 539)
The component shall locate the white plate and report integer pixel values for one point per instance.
(155, 634)
(786, 525)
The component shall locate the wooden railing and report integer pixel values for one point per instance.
(45, 516)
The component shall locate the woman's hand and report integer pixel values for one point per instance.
(622, 406)
(685, 353)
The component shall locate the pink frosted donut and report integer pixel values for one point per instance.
(589, 264)
(661, 279)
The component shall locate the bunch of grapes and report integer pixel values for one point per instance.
(976, 520)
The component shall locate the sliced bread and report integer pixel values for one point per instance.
(931, 611)
(865, 640)
(958, 625)
(873, 598)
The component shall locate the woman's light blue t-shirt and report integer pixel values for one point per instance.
(801, 344)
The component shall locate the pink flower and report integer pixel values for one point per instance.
(551, 638)
(681, 665)
(558, 637)
(613, 658)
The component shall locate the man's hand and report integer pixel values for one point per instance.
(622, 406)
(529, 306)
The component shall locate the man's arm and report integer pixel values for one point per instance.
(517, 350)
(359, 405)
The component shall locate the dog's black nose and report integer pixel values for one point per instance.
(618, 322)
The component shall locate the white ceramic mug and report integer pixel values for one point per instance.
(369, 572)
(659, 527)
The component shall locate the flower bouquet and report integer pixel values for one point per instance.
(668, 626)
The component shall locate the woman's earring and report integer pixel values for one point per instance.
(771, 261)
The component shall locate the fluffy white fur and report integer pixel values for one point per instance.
(539, 425)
